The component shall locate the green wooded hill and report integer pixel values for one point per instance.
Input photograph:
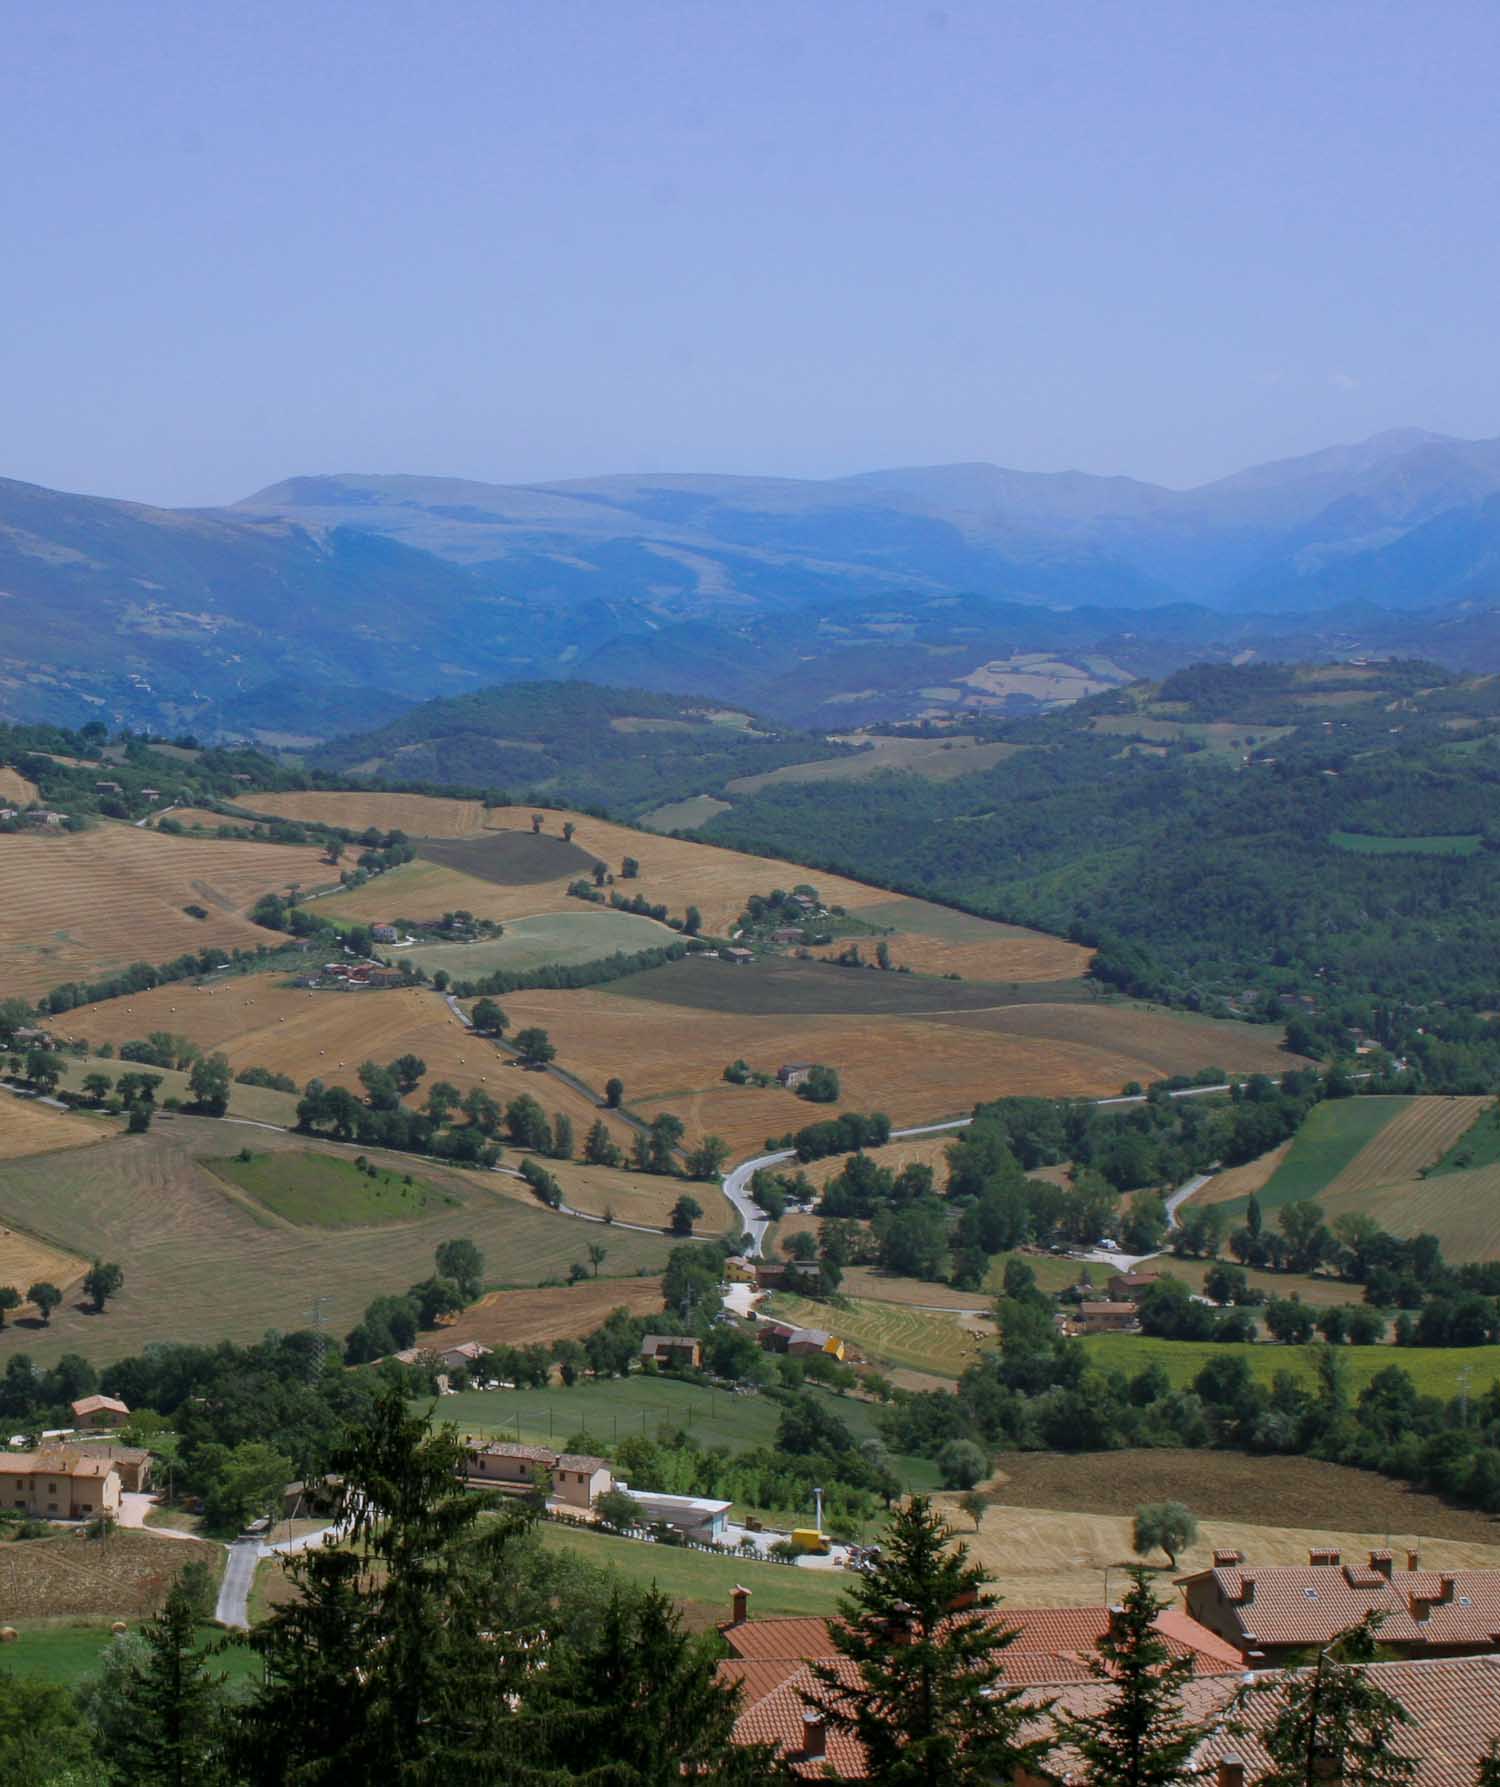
(1208, 819)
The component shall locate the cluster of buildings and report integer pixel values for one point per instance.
(1442, 1626)
(576, 1480)
(355, 974)
(1117, 1312)
(774, 1275)
(41, 816)
(75, 1476)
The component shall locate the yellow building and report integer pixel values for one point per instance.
(59, 1485)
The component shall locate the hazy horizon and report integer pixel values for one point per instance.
(559, 241)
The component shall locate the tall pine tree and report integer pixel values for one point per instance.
(927, 1701)
(1141, 1737)
(171, 1731)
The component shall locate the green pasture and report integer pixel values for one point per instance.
(64, 1651)
(550, 940)
(327, 1191)
(1331, 1135)
(698, 1580)
(1436, 1371)
(1478, 1146)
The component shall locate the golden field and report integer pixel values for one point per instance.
(83, 904)
(418, 815)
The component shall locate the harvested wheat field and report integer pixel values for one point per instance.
(27, 1127)
(678, 873)
(916, 1069)
(618, 1194)
(1461, 1209)
(203, 1264)
(259, 1021)
(1162, 1042)
(15, 790)
(70, 1574)
(26, 1260)
(516, 1318)
(77, 906)
(418, 815)
(1418, 1136)
(870, 1286)
(1040, 1558)
(1242, 1181)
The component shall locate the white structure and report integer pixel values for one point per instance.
(694, 1516)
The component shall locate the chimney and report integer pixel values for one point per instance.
(1383, 1562)
(1116, 1617)
(1231, 1772)
(1247, 1591)
(1414, 1560)
(1228, 1560)
(902, 1627)
(1447, 1588)
(1325, 1556)
(739, 1603)
(814, 1735)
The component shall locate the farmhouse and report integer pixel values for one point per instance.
(739, 1270)
(795, 1073)
(579, 1477)
(787, 934)
(739, 957)
(1274, 1610)
(464, 1355)
(132, 1462)
(1105, 1318)
(100, 1411)
(1130, 1287)
(59, 1485)
(317, 1496)
(672, 1349)
(384, 933)
(509, 1463)
(785, 1337)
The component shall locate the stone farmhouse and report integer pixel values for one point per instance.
(100, 1411)
(56, 1484)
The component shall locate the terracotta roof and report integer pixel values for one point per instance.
(1051, 1643)
(579, 1461)
(1454, 1701)
(92, 1405)
(511, 1449)
(54, 1463)
(1308, 1604)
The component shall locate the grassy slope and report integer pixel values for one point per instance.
(1434, 1370)
(1328, 1140)
(327, 1191)
(615, 1409)
(65, 1651)
(700, 1582)
(1478, 1146)
(204, 1263)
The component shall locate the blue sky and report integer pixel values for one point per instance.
(524, 241)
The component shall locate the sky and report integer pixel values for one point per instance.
(523, 241)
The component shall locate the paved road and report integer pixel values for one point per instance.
(233, 1607)
(135, 1506)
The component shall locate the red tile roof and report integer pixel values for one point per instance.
(1454, 1702)
(1057, 1641)
(1308, 1604)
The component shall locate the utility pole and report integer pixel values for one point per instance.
(317, 1316)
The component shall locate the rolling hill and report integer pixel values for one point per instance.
(325, 602)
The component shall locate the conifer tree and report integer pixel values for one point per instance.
(927, 1702)
(1337, 1723)
(402, 1657)
(641, 1706)
(168, 1729)
(1141, 1737)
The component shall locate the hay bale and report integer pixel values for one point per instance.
(118, 1627)
(9, 1635)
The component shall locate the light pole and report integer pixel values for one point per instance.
(818, 1495)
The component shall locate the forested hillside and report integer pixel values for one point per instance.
(1251, 833)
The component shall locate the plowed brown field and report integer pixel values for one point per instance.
(516, 1318)
(78, 906)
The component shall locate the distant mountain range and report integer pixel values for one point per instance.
(328, 602)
